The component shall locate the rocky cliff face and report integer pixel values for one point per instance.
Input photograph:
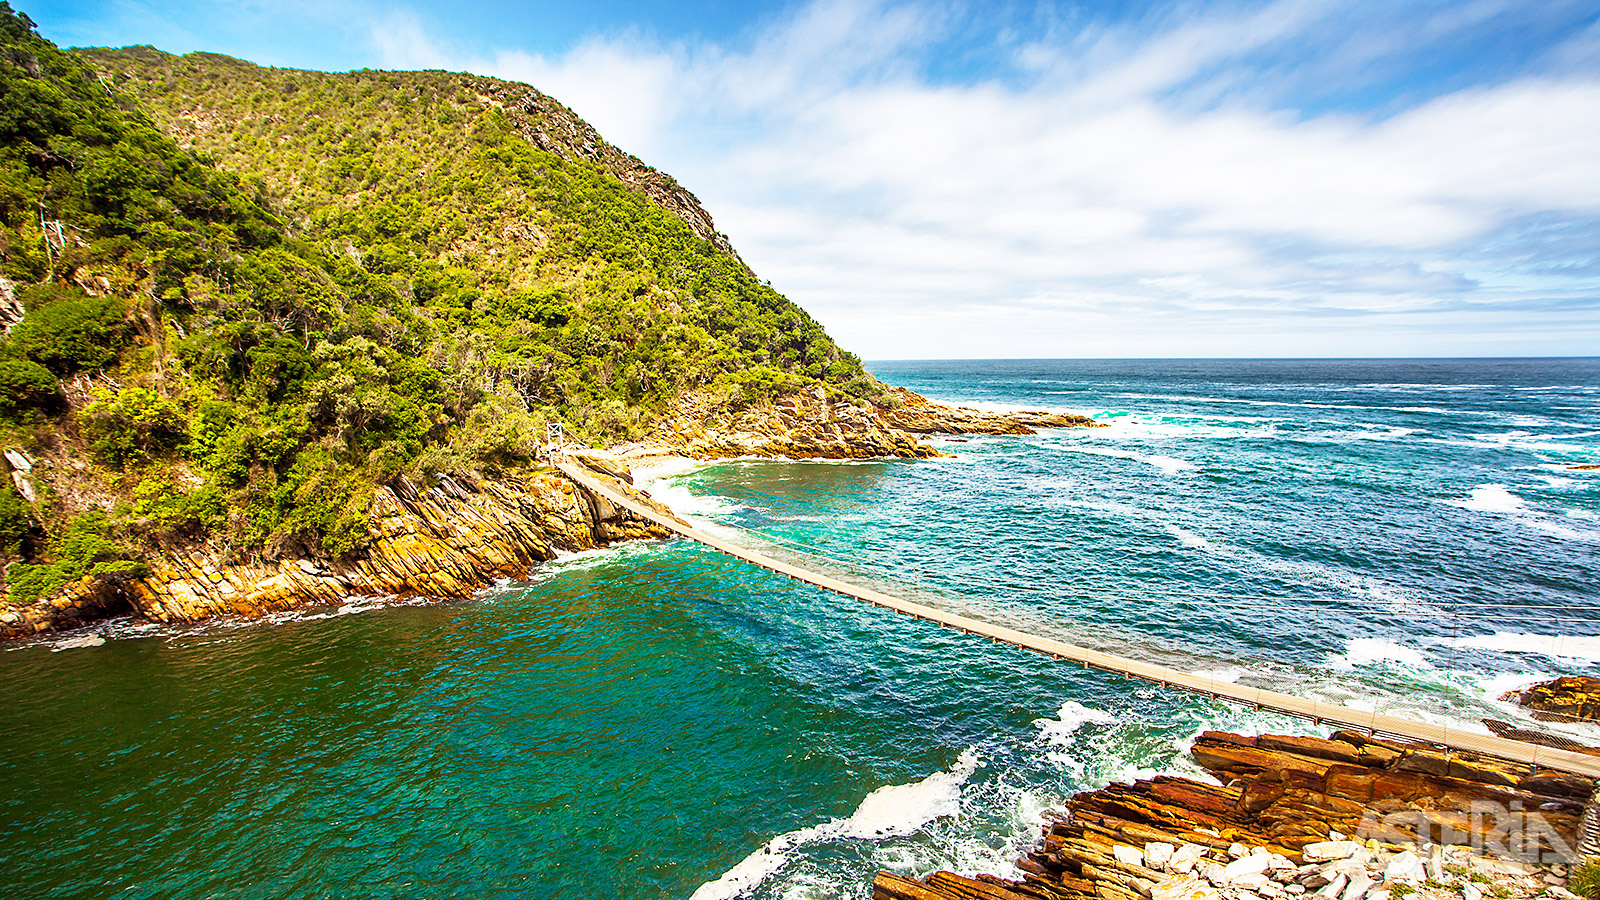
(1346, 818)
(445, 541)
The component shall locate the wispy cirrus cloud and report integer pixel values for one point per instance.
(1295, 177)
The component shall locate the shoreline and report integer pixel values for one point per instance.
(1349, 817)
(450, 539)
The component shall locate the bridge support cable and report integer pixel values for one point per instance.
(1259, 698)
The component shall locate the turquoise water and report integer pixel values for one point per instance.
(659, 721)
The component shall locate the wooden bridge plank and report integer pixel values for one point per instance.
(1317, 711)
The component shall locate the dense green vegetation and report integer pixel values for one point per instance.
(339, 279)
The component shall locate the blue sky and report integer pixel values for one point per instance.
(954, 179)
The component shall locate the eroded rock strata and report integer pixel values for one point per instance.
(916, 413)
(1566, 699)
(811, 425)
(444, 541)
(1346, 818)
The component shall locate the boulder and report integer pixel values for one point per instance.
(1246, 866)
(1326, 851)
(1157, 854)
(1407, 867)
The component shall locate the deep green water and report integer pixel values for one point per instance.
(657, 720)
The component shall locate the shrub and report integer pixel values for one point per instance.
(82, 548)
(27, 389)
(69, 336)
(14, 521)
(132, 425)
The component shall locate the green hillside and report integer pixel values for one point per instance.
(325, 281)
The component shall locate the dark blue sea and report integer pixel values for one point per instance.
(659, 721)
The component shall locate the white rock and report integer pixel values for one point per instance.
(1320, 874)
(1128, 856)
(1560, 893)
(1294, 890)
(1436, 863)
(1250, 882)
(1212, 872)
(19, 460)
(1270, 890)
(1360, 882)
(1184, 859)
(1329, 850)
(1236, 850)
(1333, 888)
(1500, 866)
(1260, 851)
(1157, 855)
(1246, 867)
(1379, 895)
(1470, 891)
(1282, 863)
(1407, 867)
(1183, 889)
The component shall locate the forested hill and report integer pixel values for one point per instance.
(325, 281)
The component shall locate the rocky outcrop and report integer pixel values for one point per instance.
(1566, 699)
(808, 424)
(1294, 816)
(915, 413)
(444, 541)
(802, 425)
(554, 128)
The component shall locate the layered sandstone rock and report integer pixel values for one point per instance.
(1294, 816)
(920, 415)
(802, 425)
(445, 541)
(1569, 698)
(808, 424)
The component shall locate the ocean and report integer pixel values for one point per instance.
(656, 720)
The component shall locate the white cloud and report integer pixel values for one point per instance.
(1092, 205)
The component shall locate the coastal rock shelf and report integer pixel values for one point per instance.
(446, 542)
(1566, 699)
(920, 415)
(1344, 818)
(810, 425)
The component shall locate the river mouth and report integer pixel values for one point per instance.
(643, 721)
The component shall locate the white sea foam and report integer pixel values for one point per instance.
(991, 407)
(1188, 538)
(687, 503)
(1229, 675)
(76, 642)
(1371, 651)
(1498, 499)
(1573, 648)
(1061, 735)
(1167, 464)
(1072, 715)
(583, 559)
(896, 809)
(1493, 687)
(1495, 498)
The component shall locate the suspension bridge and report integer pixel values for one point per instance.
(1450, 739)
